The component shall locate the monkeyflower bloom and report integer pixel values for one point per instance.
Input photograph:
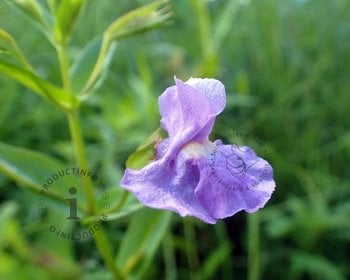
(192, 175)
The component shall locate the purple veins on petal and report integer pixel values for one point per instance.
(191, 175)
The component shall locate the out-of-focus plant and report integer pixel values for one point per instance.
(80, 78)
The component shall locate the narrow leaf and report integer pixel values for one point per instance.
(52, 6)
(40, 86)
(32, 169)
(139, 20)
(33, 9)
(223, 26)
(141, 241)
(10, 47)
(66, 17)
(85, 62)
(314, 266)
(38, 15)
(213, 262)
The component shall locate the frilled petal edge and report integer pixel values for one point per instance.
(235, 179)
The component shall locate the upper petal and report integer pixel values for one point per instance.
(188, 110)
(213, 90)
(170, 110)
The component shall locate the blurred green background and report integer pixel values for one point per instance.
(286, 67)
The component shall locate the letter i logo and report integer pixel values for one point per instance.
(72, 205)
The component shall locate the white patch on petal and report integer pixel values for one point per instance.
(197, 150)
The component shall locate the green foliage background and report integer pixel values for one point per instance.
(285, 65)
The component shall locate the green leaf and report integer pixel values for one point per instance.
(85, 62)
(38, 15)
(140, 19)
(38, 85)
(8, 211)
(213, 262)
(146, 230)
(131, 206)
(10, 47)
(315, 266)
(7, 42)
(33, 10)
(223, 26)
(128, 209)
(66, 17)
(136, 21)
(4, 36)
(32, 169)
(145, 152)
(120, 204)
(53, 5)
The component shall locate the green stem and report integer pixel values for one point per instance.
(106, 252)
(120, 203)
(100, 237)
(106, 43)
(64, 66)
(79, 149)
(115, 209)
(169, 257)
(253, 247)
(223, 237)
(191, 247)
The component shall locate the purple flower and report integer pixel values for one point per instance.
(191, 175)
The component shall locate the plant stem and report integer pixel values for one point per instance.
(106, 43)
(191, 247)
(64, 66)
(79, 149)
(100, 237)
(120, 203)
(169, 257)
(80, 154)
(106, 252)
(253, 247)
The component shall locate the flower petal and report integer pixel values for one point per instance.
(213, 90)
(189, 109)
(191, 175)
(168, 184)
(234, 180)
(170, 110)
(184, 110)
